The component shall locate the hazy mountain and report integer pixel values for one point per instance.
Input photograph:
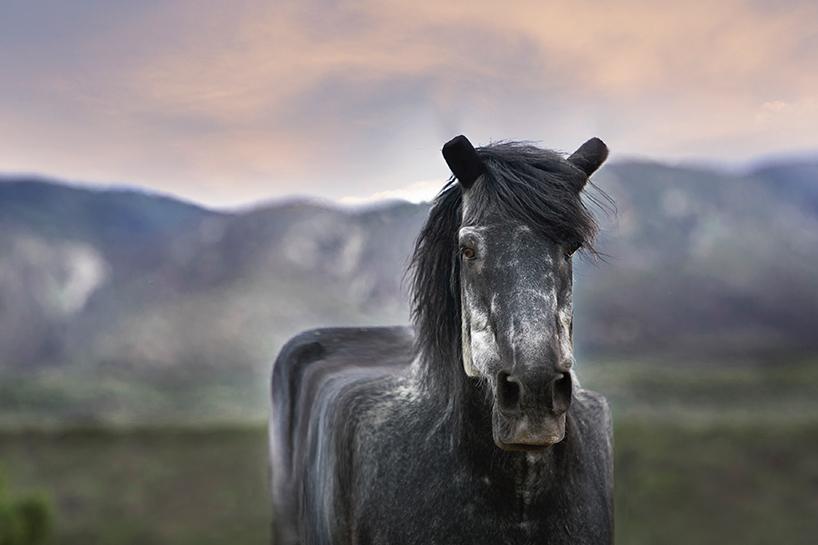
(122, 306)
(705, 264)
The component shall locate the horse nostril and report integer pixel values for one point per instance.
(562, 392)
(508, 392)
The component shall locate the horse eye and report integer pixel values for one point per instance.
(468, 253)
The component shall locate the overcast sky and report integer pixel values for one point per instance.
(226, 103)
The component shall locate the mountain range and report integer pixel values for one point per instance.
(123, 306)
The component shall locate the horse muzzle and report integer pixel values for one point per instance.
(530, 414)
(527, 433)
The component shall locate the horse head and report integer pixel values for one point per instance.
(521, 221)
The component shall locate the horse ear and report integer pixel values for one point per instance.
(590, 156)
(463, 160)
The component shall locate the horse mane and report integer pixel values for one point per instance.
(534, 186)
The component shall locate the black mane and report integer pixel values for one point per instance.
(535, 186)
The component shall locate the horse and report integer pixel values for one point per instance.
(470, 426)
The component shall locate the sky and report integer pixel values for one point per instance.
(231, 103)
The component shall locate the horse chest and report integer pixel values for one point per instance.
(457, 517)
(439, 502)
(410, 486)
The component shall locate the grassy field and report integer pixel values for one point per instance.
(705, 454)
(149, 487)
(720, 484)
(674, 484)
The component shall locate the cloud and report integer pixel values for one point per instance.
(230, 103)
(417, 192)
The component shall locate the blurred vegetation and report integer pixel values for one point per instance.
(716, 484)
(726, 456)
(675, 484)
(203, 487)
(701, 391)
(24, 520)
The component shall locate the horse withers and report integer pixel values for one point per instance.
(470, 427)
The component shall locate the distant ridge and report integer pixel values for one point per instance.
(122, 305)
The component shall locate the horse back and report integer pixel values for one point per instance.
(304, 368)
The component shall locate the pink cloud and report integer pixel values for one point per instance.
(228, 104)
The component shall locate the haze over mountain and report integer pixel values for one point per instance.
(121, 306)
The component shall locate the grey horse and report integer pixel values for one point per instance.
(470, 426)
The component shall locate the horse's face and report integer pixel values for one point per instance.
(516, 312)
(515, 281)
